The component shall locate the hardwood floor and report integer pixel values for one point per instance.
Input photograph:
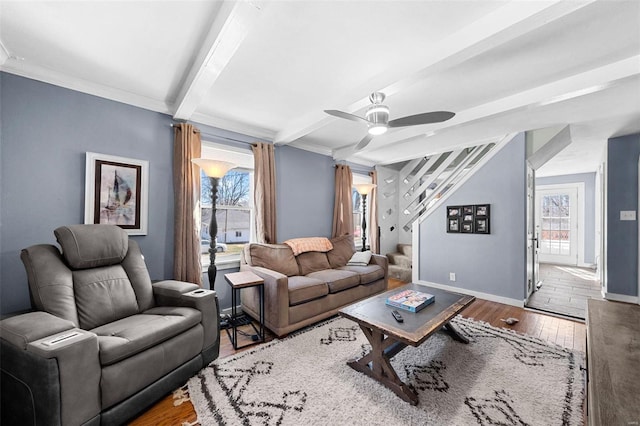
(565, 290)
(563, 332)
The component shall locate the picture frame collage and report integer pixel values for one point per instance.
(469, 219)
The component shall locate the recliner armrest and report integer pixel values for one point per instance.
(76, 352)
(172, 288)
(21, 330)
(178, 293)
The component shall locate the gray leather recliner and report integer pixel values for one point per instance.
(103, 343)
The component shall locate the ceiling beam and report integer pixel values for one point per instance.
(229, 29)
(494, 29)
(574, 86)
(4, 54)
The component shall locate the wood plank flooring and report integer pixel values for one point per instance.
(563, 332)
(565, 290)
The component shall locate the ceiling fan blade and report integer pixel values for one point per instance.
(364, 142)
(341, 114)
(424, 118)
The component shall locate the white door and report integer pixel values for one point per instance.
(557, 224)
(532, 237)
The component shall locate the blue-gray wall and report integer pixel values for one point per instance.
(622, 194)
(305, 185)
(494, 263)
(46, 131)
(589, 180)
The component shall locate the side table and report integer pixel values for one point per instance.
(237, 281)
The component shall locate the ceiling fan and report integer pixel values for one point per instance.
(377, 118)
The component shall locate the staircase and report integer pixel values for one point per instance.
(400, 263)
(413, 189)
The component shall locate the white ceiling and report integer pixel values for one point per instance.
(269, 68)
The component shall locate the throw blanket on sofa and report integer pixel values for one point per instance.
(303, 245)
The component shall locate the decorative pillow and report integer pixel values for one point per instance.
(303, 245)
(360, 258)
(277, 257)
(343, 249)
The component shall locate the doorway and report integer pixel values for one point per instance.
(565, 290)
(563, 281)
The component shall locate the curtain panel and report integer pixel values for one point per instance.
(264, 192)
(187, 265)
(374, 237)
(343, 204)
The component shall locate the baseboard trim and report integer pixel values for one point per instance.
(621, 298)
(478, 294)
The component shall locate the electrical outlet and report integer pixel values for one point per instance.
(452, 276)
(627, 215)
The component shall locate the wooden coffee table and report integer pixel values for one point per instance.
(388, 337)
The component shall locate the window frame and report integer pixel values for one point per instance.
(244, 159)
(359, 178)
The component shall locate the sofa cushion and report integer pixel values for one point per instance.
(123, 379)
(277, 257)
(303, 289)
(90, 246)
(312, 261)
(126, 337)
(337, 280)
(368, 274)
(103, 295)
(343, 249)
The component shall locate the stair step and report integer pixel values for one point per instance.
(399, 259)
(405, 249)
(400, 273)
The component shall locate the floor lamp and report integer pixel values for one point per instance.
(364, 189)
(215, 170)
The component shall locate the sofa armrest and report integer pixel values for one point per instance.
(276, 295)
(39, 335)
(178, 293)
(382, 261)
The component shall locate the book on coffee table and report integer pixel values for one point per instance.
(410, 300)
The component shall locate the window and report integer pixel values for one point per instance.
(234, 206)
(357, 209)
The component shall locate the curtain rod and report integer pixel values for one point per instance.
(211, 135)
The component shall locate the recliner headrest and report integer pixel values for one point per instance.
(91, 246)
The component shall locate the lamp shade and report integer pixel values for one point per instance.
(364, 188)
(213, 168)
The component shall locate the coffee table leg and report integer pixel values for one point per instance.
(455, 334)
(377, 364)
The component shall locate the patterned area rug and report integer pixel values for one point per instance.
(499, 378)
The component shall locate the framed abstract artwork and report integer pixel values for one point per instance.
(117, 192)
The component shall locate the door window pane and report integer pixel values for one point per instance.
(555, 224)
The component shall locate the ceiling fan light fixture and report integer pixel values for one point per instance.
(378, 116)
(377, 129)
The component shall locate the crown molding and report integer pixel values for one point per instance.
(56, 78)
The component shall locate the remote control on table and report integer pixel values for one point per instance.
(397, 316)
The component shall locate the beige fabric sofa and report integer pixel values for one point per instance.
(303, 289)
